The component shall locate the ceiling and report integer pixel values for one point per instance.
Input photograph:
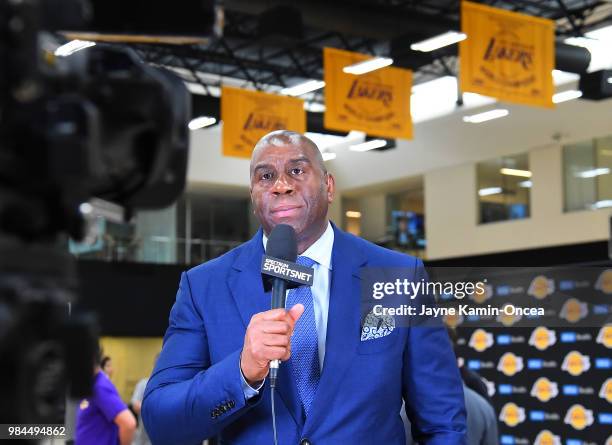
(269, 44)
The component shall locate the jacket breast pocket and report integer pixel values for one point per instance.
(380, 344)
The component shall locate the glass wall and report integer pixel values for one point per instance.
(587, 174)
(198, 227)
(503, 188)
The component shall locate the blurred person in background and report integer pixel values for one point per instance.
(106, 364)
(103, 418)
(141, 437)
(481, 421)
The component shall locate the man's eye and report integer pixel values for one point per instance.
(266, 176)
(297, 171)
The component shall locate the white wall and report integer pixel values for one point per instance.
(451, 209)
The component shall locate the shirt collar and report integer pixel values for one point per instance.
(320, 250)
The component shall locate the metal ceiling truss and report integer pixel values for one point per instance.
(267, 62)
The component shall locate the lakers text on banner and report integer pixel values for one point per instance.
(377, 103)
(507, 55)
(249, 115)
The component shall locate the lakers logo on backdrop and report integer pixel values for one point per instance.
(579, 417)
(605, 336)
(546, 437)
(507, 317)
(482, 292)
(544, 390)
(541, 287)
(606, 390)
(453, 320)
(481, 340)
(512, 414)
(575, 363)
(574, 310)
(510, 364)
(604, 282)
(542, 338)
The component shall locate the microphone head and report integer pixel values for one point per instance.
(282, 243)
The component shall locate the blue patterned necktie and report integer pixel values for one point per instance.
(304, 343)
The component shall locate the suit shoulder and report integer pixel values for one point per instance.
(381, 256)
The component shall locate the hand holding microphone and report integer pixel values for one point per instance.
(268, 337)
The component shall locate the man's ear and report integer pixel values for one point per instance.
(331, 187)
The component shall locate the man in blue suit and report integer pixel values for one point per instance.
(335, 385)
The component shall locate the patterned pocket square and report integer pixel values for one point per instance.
(377, 326)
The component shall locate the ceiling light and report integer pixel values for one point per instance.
(368, 65)
(303, 88)
(593, 172)
(369, 145)
(602, 204)
(440, 41)
(525, 184)
(489, 191)
(353, 214)
(609, 79)
(201, 122)
(515, 172)
(486, 116)
(328, 155)
(85, 208)
(72, 47)
(564, 96)
(314, 107)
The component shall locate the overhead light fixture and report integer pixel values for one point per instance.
(439, 41)
(303, 88)
(353, 214)
(314, 107)
(515, 172)
(489, 191)
(369, 145)
(368, 65)
(328, 155)
(602, 204)
(201, 122)
(564, 96)
(609, 79)
(72, 47)
(593, 172)
(525, 184)
(486, 116)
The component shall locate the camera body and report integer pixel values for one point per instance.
(95, 123)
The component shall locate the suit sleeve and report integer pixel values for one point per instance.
(432, 386)
(188, 399)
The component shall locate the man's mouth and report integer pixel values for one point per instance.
(285, 211)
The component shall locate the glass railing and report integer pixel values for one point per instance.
(154, 249)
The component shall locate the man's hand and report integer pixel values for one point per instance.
(268, 337)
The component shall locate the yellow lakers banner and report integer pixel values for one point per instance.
(377, 103)
(507, 55)
(248, 115)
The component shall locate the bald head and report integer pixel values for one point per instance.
(280, 138)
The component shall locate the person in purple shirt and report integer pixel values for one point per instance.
(103, 418)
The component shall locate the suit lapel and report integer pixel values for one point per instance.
(247, 291)
(342, 322)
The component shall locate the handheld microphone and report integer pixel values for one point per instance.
(280, 272)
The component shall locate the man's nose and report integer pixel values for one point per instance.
(282, 185)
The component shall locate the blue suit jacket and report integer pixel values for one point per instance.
(195, 390)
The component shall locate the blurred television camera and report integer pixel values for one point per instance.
(99, 123)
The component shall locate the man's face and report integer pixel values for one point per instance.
(289, 187)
